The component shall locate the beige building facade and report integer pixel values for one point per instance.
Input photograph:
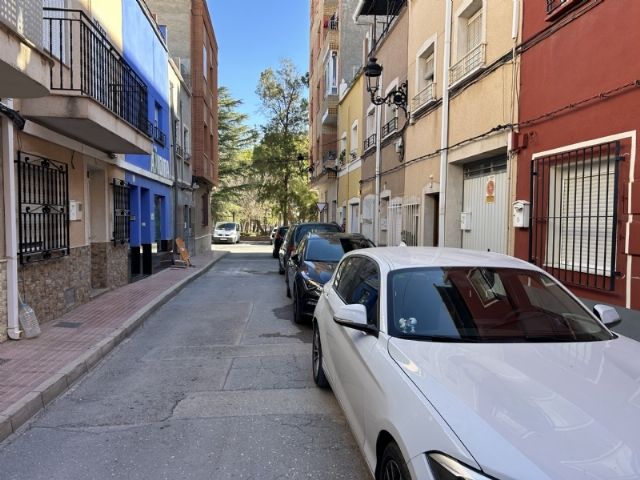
(463, 105)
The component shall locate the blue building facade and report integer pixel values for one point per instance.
(150, 176)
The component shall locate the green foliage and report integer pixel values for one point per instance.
(282, 177)
(236, 140)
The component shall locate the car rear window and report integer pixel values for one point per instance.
(303, 229)
(332, 249)
(226, 226)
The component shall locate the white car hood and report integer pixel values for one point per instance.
(536, 411)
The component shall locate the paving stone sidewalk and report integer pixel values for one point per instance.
(33, 372)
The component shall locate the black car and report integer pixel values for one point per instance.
(295, 234)
(312, 265)
(278, 239)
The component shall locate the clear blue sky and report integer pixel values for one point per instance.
(254, 35)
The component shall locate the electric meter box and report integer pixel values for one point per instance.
(521, 209)
(75, 210)
(465, 221)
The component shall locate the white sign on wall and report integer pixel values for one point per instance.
(160, 165)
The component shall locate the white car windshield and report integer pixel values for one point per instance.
(226, 226)
(478, 304)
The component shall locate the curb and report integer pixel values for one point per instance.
(12, 418)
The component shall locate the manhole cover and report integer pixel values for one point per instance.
(67, 324)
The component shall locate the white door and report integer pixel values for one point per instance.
(354, 219)
(485, 205)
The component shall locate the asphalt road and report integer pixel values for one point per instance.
(216, 385)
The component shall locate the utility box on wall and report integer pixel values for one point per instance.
(75, 210)
(521, 209)
(465, 221)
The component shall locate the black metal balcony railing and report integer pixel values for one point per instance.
(370, 142)
(390, 127)
(89, 64)
(333, 24)
(179, 151)
(153, 130)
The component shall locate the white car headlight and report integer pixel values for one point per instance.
(446, 468)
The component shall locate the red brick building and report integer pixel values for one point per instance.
(204, 117)
(579, 118)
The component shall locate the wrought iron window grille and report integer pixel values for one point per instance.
(154, 132)
(574, 215)
(121, 212)
(43, 203)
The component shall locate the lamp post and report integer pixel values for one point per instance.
(397, 96)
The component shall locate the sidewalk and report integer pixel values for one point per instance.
(34, 372)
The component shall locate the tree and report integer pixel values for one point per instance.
(235, 142)
(283, 175)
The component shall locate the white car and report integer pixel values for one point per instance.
(226, 232)
(452, 364)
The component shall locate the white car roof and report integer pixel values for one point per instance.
(411, 257)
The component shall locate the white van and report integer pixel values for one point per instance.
(226, 232)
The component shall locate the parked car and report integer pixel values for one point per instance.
(295, 234)
(279, 238)
(453, 364)
(273, 235)
(312, 264)
(226, 232)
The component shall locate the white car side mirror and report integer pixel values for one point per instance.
(354, 316)
(607, 315)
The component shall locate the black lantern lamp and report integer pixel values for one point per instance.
(397, 96)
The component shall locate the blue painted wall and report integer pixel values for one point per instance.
(144, 50)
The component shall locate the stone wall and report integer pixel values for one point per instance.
(109, 265)
(3, 301)
(53, 287)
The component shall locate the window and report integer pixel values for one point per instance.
(366, 287)
(43, 217)
(390, 113)
(186, 143)
(121, 212)
(205, 209)
(331, 74)
(343, 148)
(425, 75)
(370, 141)
(205, 62)
(354, 140)
(574, 215)
(470, 46)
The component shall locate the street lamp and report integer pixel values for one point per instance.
(397, 96)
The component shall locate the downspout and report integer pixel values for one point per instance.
(376, 216)
(10, 220)
(444, 129)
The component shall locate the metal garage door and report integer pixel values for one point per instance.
(484, 220)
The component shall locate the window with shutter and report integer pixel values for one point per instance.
(574, 215)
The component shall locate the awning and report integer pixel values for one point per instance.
(378, 7)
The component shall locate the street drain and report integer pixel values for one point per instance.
(4, 360)
(68, 324)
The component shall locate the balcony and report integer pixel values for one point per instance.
(557, 8)
(425, 97)
(330, 108)
(24, 69)
(472, 61)
(390, 127)
(97, 98)
(370, 142)
(158, 136)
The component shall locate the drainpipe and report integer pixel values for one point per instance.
(10, 220)
(444, 129)
(376, 216)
